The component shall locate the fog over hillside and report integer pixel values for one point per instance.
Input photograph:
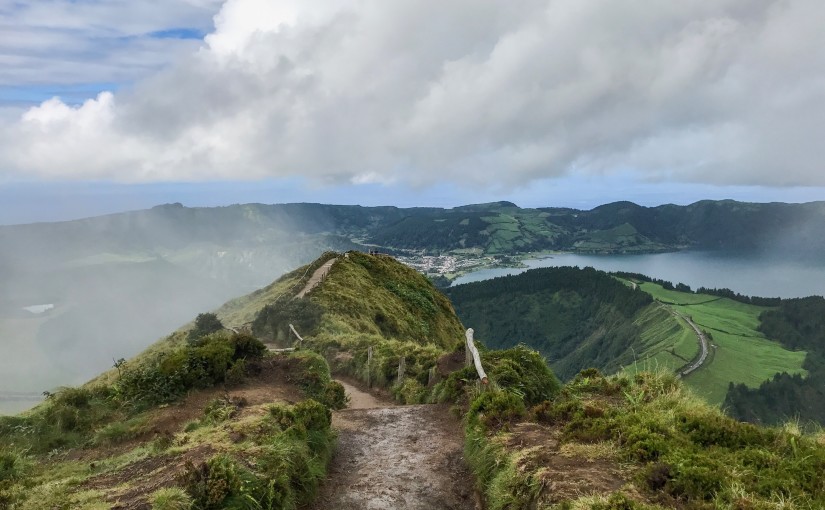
(119, 282)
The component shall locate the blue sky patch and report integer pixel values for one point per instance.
(178, 33)
(35, 94)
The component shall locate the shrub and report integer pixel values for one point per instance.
(10, 466)
(524, 370)
(205, 324)
(246, 347)
(213, 482)
(219, 410)
(273, 320)
(497, 409)
(335, 396)
(410, 392)
(171, 498)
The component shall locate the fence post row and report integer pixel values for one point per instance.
(473, 352)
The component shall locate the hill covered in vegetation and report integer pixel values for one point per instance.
(170, 262)
(798, 324)
(577, 318)
(580, 318)
(209, 418)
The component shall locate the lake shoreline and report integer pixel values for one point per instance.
(752, 276)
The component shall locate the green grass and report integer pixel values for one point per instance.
(670, 449)
(743, 354)
(667, 342)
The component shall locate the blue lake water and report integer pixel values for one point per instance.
(756, 276)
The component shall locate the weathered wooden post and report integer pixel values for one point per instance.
(294, 332)
(471, 348)
(402, 366)
(369, 362)
(431, 378)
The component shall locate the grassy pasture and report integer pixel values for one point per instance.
(742, 353)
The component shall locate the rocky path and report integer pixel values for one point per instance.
(396, 457)
(316, 278)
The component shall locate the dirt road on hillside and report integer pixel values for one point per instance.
(703, 346)
(316, 278)
(396, 458)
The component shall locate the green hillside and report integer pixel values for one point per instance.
(207, 418)
(579, 318)
(797, 324)
(743, 354)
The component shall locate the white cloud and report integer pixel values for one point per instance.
(717, 91)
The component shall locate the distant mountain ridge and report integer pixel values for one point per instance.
(97, 267)
(499, 227)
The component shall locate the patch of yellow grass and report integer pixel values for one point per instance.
(604, 450)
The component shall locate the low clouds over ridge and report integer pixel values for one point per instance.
(716, 91)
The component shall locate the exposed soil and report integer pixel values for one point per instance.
(359, 399)
(144, 477)
(449, 363)
(393, 458)
(563, 477)
(130, 486)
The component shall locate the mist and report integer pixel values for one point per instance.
(115, 284)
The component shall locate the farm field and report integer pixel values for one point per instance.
(739, 352)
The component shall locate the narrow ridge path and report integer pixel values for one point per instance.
(396, 458)
(316, 278)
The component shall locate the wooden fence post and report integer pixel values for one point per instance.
(471, 348)
(402, 366)
(369, 362)
(300, 340)
(431, 378)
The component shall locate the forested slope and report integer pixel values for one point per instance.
(577, 318)
(800, 325)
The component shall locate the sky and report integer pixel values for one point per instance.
(110, 105)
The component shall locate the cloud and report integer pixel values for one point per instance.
(475, 92)
(66, 42)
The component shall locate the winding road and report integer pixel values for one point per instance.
(703, 345)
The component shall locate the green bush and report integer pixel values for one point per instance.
(212, 483)
(410, 392)
(497, 409)
(214, 359)
(205, 324)
(171, 498)
(273, 320)
(11, 466)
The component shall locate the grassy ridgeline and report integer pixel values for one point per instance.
(634, 442)
(375, 301)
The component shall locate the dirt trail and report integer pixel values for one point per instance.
(316, 278)
(399, 458)
(360, 399)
